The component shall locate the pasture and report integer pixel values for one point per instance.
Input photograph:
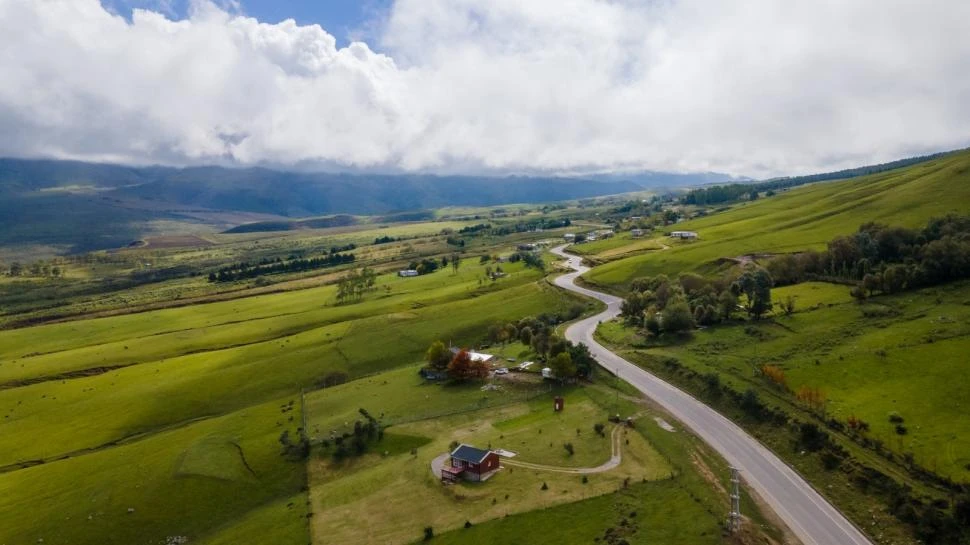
(902, 354)
(390, 496)
(804, 218)
(175, 413)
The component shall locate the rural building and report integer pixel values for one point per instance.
(636, 233)
(475, 356)
(570, 237)
(526, 247)
(407, 273)
(605, 233)
(471, 464)
(684, 235)
(547, 373)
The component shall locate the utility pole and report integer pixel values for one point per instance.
(734, 519)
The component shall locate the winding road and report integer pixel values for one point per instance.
(809, 516)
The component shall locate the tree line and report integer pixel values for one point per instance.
(880, 258)
(244, 270)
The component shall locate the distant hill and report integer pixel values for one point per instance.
(75, 206)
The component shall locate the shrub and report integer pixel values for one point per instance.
(468, 524)
(569, 448)
(599, 428)
(901, 429)
(544, 486)
(428, 533)
(895, 418)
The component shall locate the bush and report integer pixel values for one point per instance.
(468, 524)
(599, 428)
(544, 486)
(901, 429)
(569, 448)
(428, 533)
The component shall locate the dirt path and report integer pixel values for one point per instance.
(616, 457)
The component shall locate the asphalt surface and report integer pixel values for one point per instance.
(809, 516)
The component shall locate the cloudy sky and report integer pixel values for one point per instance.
(746, 87)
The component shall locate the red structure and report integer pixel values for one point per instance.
(558, 403)
(471, 464)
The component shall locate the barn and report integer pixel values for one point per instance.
(471, 464)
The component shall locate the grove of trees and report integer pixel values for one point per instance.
(880, 258)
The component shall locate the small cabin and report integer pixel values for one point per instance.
(684, 235)
(407, 273)
(471, 464)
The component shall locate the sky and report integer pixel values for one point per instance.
(754, 88)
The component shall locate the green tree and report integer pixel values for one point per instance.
(633, 306)
(756, 285)
(562, 366)
(525, 336)
(455, 262)
(676, 318)
(438, 356)
(871, 283)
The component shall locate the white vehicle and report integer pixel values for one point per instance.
(502, 371)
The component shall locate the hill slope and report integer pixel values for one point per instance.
(807, 218)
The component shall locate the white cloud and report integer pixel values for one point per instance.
(754, 87)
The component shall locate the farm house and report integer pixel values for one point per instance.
(471, 464)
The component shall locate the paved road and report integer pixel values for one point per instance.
(807, 514)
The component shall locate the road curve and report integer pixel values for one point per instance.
(807, 514)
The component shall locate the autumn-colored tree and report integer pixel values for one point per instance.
(775, 374)
(814, 398)
(462, 368)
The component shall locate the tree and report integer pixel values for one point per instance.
(582, 359)
(756, 285)
(540, 342)
(455, 261)
(676, 318)
(562, 366)
(871, 283)
(632, 308)
(462, 368)
(525, 335)
(438, 356)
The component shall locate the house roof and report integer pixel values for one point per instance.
(469, 453)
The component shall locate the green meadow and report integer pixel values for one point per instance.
(803, 218)
(390, 496)
(175, 413)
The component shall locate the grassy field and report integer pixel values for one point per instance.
(194, 394)
(394, 491)
(805, 218)
(208, 481)
(900, 354)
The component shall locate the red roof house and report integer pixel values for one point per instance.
(471, 464)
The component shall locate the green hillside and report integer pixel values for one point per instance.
(805, 218)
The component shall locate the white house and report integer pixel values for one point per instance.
(407, 273)
(636, 233)
(570, 237)
(684, 235)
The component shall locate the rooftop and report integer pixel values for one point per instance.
(469, 453)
